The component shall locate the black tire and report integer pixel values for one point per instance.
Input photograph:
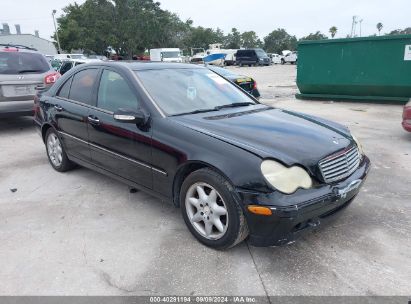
(237, 229)
(65, 164)
(282, 61)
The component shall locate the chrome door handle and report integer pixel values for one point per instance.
(58, 108)
(92, 120)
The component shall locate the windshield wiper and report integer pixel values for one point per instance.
(233, 105)
(28, 71)
(196, 111)
(217, 108)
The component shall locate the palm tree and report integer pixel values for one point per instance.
(379, 27)
(333, 31)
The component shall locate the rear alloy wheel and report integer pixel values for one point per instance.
(55, 152)
(210, 210)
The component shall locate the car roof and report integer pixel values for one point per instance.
(82, 60)
(148, 65)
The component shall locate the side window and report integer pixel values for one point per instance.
(114, 93)
(82, 86)
(65, 89)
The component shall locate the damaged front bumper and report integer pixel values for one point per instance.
(298, 212)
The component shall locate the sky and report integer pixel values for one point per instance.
(298, 17)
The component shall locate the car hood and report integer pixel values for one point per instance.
(291, 137)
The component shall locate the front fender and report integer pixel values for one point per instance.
(175, 146)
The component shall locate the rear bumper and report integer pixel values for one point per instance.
(297, 213)
(16, 108)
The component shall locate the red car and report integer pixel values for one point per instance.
(406, 117)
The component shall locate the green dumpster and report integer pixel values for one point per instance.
(366, 68)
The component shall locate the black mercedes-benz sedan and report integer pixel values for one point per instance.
(235, 167)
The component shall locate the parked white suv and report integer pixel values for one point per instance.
(23, 70)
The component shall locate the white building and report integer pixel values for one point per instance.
(42, 45)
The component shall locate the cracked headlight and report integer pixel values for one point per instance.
(286, 180)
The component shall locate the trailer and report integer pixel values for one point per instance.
(166, 55)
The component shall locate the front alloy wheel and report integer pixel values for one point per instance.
(211, 209)
(206, 211)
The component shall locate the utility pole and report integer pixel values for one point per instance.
(55, 28)
(354, 22)
(360, 26)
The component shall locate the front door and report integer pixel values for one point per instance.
(119, 147)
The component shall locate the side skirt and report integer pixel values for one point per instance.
(119, 178)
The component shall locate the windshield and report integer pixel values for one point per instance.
(261, 53)
(180, 91)
(20, 63)
(174, 54)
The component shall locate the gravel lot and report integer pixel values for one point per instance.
(81, 233)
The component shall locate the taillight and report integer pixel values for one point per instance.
(10, 49)
(255, 85)
(52, 78)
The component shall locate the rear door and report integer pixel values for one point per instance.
(71, 108)
(119, 147)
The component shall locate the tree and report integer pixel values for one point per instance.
(333, 31)
(279, 40)
(315, 36)
(250, 40)
(128, 26)
(200, 37)
(379, 27)
(86, 26)
(233, 39)
(406, 31)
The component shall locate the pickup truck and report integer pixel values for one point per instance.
(290, 57)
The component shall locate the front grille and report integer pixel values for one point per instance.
(340, 165)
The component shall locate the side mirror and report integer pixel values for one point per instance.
(138, 117)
